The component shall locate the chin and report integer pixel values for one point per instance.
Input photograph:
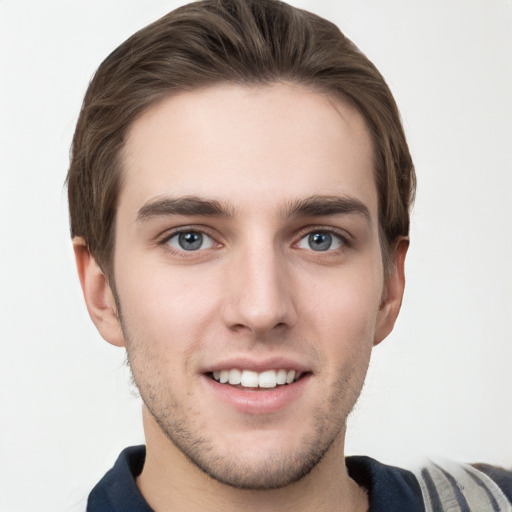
(272, 472)
(263, 461)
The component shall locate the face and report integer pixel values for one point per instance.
(247, 251)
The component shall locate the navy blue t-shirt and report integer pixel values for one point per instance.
(389, 488)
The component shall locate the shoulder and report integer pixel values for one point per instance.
(448, 485)
(433, 487)
(501, 476)
(386, 484)
(117, 490)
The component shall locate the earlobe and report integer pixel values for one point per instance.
(393, 291)
(98, 295)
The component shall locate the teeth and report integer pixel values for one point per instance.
(281, 376)
(290, 377)
(268, 379)
(250, 379)
(235, 377)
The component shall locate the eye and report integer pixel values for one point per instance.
(321, 241)
(190, 241)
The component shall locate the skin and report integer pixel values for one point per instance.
(255, 291)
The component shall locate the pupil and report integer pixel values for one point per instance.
(320, 241)
(190, 241)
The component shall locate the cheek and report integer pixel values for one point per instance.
(345, 302)
(165, 307)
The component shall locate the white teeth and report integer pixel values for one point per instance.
(250, 379)
(281, 377)
(267, 379)
(235, 377)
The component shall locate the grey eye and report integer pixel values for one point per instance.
(321, 241)
(190, 241)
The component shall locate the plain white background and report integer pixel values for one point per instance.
(440, 385)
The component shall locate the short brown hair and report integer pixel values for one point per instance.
(247, 42)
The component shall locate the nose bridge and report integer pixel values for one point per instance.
(259, 296)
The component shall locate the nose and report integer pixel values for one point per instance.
(259, 292)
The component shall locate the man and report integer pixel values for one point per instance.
(239, 195)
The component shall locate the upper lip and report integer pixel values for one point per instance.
(250, 363)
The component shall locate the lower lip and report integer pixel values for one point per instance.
(256, 400)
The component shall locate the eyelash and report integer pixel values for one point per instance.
(344, 240)
(341, 235)
(164, 241)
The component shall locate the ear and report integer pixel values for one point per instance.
(393, 291)
(97, 294)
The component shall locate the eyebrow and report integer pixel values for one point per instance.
(186, 205)
(313, 206)
(320, 206)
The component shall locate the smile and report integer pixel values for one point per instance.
(250, 379)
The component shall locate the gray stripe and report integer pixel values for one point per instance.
(481, 484)
(452, 487)
(463, 504)
(433, 495)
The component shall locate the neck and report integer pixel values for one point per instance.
(170, 481)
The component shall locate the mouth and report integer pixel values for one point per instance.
(253, 380)
(256, 387)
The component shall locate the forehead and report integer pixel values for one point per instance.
(248, 145)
